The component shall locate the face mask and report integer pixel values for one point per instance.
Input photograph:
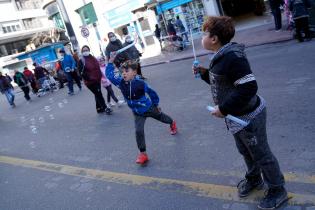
(112, 39)
(128, 40)
(86, 53)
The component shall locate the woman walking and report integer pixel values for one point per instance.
(91, 74)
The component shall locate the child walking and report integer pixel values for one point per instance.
(234, 90)
(108, 85)
(141, 99)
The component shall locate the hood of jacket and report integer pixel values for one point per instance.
(238, 49)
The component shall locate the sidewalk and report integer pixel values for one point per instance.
(259, 35)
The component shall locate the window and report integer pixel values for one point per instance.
(28, 4)
(9, 29)
(13, 28)
(18, 27)
(31, 23)
(4, 29)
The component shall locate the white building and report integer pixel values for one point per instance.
(20, 20)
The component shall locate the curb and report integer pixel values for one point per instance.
(203, 54)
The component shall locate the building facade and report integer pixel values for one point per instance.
(20, 22)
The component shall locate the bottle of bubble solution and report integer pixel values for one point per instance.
(196, 64)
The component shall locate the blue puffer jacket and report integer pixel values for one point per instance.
(68, 63)
(134, 91)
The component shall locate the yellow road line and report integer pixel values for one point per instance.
(289, 177)
(187, 187)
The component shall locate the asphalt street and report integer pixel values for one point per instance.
(56, 152)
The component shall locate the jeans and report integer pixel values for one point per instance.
(140, 120)
(10, 96)
(70, 77)
(252, 143)
(95, 88)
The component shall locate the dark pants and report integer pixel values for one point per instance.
(184, 34)
(139, 124)
(26, 91)
(95, 88)
(34, 86)
(252, 144)
(110, 94)
(70, 77)
(60, 76)
(301, 24)
(276, 12)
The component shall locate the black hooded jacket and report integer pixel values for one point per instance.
(121, 57)
(232, 82)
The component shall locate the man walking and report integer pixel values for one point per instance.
(22, 82)
(276, 12)
(7, 89)
(68, 65)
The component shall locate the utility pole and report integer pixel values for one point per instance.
(68, 25)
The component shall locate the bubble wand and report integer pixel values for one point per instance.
(196, 62)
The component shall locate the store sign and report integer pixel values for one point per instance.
(87, 14)
(122, 15)
(169, 5)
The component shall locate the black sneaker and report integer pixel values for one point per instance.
(245, 187)
(274, 197)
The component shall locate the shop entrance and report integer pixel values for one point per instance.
(191, 14)
(235, 8)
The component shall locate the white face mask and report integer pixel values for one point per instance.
(112, 39)
(128, 40)
(86, 53)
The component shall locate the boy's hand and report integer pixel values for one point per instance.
(112, 57)
(217, 112)
(198, 69)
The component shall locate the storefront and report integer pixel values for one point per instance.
(190, 12)
(135, 18)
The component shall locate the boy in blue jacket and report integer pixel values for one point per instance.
(135, 92)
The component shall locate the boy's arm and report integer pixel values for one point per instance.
(152, 94)
(109, 72)
(245, 84)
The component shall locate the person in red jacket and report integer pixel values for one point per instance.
(92, 75)
(31, 78)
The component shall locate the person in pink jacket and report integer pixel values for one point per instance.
(108, 85)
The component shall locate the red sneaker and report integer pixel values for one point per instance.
(142, 158)
(173, 128)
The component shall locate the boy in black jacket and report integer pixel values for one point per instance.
(234, 91)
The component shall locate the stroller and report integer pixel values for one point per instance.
(47, 84)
